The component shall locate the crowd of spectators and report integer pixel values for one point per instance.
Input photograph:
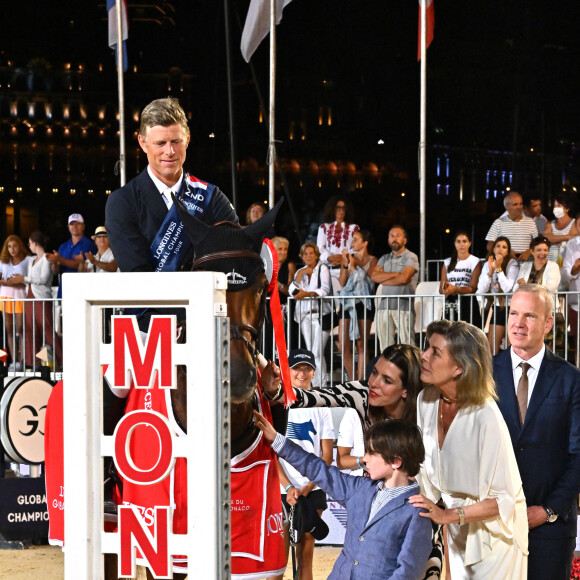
(30, 286)
(523, 246)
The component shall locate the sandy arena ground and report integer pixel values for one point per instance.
(47, 563)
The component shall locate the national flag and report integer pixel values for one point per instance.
(257, 24)
(430, 26)
(113, 28)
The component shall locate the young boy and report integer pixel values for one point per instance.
(385, 535)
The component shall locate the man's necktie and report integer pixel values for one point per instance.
(522, 392)
(167, 195)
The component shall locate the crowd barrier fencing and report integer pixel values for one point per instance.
(428, 305)
(426, 308)
(31, 327)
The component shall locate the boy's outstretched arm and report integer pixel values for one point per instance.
(338, 485)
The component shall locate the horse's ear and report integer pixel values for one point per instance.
(196, 229)
(259, 229)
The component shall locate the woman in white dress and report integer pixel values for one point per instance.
(470, 467)
(459, 276)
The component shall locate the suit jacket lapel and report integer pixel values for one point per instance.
(506, 389)
(390, 506)
(153, 199)
(547, 375)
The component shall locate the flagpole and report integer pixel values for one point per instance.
(121, 90)
(231, 105)
(423, 139)
(272, 110)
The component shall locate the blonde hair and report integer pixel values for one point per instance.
(469, 348)
(310, 245)
(164, 113)
(540, 291)
(280, 240)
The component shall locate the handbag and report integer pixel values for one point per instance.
(329, 321)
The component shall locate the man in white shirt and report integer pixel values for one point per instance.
(517, 227)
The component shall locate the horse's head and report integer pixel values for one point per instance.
(227, 247)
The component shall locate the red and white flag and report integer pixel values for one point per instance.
(257, 24)
(430, 26)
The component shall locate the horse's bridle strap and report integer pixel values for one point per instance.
(224, 256)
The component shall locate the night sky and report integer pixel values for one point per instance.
(487, 59)
(502, 75)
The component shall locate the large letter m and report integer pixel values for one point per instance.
(143, 362)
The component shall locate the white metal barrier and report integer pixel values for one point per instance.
(428, 306)
(205, 353)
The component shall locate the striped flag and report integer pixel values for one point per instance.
(257, 24)
(113, 28)
(430, 25)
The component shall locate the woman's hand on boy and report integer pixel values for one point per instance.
(265, 426)
(434, 513)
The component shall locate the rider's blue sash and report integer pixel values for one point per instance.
(172, 242)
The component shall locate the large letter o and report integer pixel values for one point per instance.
(123, 460)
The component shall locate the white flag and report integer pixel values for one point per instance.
(113, 22)
(257, 24)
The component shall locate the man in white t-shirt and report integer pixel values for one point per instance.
(312, 429)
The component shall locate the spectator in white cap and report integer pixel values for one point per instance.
(71, 252)
(103, 260)
(311, 429)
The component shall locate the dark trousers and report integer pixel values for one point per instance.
(550, 559)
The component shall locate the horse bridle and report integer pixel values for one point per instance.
(236, 330)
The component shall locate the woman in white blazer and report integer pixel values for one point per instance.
(541, 270)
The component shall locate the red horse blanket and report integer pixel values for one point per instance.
(256, 511)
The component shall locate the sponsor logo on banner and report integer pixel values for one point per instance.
(22, 411)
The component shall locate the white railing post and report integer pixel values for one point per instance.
(205, 353)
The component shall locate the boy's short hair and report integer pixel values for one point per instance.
(397, 438)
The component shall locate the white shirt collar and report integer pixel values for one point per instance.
(534, 362)
(161, 186)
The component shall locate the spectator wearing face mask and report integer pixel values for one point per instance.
(562, 229)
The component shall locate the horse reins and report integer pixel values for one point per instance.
(224, 256)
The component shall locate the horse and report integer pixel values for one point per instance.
(227, 247)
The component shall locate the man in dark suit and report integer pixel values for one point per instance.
(539, 397)
(141, 211)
